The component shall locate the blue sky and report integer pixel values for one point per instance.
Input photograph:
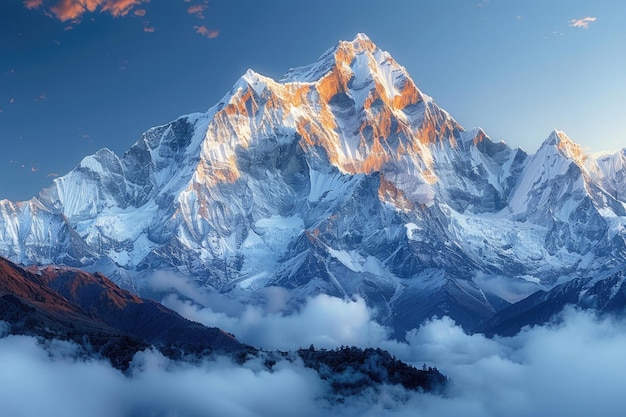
(80, 75)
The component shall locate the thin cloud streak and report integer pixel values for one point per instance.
(123, 64)
(582, 23)
(70, 10)
(197, 9)
(206, 32)
(32, 4)
(73, 10)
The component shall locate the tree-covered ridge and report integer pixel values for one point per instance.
(351, 370)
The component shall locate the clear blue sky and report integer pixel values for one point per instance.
(74, 80)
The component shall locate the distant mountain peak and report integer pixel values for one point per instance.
(359, 45)
(357, 57)
(355, 102)
(361, 37)
(567, 147)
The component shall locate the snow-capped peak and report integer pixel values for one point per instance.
(567, 147)
(361, 37)
(612, 167)
(344, 55)
(255, 80)
(475, 135)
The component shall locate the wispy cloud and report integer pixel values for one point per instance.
(120, 7)
(582, 23)
(41, 97)
(73, 10)
(122, 64)
(197, 10)
(32, 4)
(206, 32)
(69, 10)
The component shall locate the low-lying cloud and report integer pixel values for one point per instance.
(573, 367)
(506, 288)
(324, 321)
(36, 382)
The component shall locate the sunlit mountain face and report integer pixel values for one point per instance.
(341, 178)
(349, 247)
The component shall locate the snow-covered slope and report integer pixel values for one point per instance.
(342, 178)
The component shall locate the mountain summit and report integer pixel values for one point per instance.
(342, 178)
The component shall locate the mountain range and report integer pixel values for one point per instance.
(68, 304)
(102, 321)
(343, 178)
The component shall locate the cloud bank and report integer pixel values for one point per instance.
(41, 381)
(573, 368)
(325, 321)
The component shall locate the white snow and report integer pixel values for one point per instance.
(412, 232)
(323, 183)
(358, 263)
(492, 239)
(265, 245)
(256, 81)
